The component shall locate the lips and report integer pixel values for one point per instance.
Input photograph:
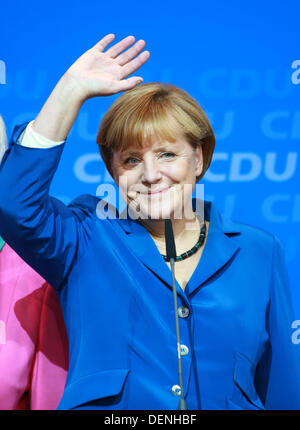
(157, 191)
(135, 193)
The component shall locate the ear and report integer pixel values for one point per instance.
(198, 160)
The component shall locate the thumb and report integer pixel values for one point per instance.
(129, 83)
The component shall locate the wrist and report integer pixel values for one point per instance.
(58, 114)
(69, 91)
(72, 88)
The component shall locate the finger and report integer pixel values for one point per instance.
(127, 84)
(106, 40)
(119, 47)
(135, 64)
(131, 53)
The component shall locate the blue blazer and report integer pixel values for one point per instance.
(116, 295)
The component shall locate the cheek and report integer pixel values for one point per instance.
(181, 171)
(121, 175)
(127, 179)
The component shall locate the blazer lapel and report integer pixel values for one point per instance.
(143, 246)
(219, 249)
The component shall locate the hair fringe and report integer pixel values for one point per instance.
(154, 111)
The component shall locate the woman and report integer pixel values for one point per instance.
(33, 340)
(110, 272)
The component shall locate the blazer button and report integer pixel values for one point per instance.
(183, 312)
(176, 390)
(184, 350)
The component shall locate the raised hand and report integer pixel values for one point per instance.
(95, 73)
(98, 73)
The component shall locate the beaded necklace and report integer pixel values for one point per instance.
(195, 248)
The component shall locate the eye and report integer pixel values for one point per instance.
(131, 161)
(167, 155)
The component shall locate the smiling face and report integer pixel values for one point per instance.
(157, 181)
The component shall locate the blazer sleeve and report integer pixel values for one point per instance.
(278, 372)
(40, 228)
(50, 364)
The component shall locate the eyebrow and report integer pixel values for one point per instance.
(163, 147)
(130, 154)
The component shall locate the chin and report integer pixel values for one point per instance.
(160, 211)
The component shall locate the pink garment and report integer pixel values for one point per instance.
(33, 338)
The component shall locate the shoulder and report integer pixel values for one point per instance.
(255, 238)
(89, 210)
(243, 233)
(85, 203)
(16, 268)
(21, 286)
(254, 232)
(15, 272)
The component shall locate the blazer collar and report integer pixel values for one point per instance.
(219, 249)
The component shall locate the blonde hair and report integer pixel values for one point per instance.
(3, 138)
(154, 110)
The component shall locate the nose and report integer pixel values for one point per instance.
(151, 171)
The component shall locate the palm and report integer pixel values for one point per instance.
(99, 73)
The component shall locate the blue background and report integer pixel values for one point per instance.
(233, 58)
